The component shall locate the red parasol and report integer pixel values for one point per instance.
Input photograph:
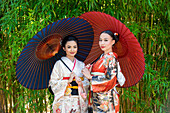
(130, 54)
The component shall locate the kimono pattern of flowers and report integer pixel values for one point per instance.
(64, 102)
(105, 74)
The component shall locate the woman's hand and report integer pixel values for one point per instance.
(78, 81)
(86, 73)
(88, 66)
(72, 75)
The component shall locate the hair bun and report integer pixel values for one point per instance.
(116, 35)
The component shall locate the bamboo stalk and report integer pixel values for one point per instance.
(6, 101)
(124, 103)
(46, 101)
(121, 104)
(14, 95)
(1, 99)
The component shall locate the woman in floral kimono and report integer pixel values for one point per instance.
(69, 87)
(105, 74)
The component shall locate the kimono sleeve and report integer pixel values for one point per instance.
(85, 81)
(120, 76)
(110, 74)
(58, 86)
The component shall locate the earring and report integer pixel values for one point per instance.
(64, 49)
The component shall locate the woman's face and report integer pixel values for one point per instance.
(70, 48)
(106, 42)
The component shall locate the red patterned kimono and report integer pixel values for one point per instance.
(104, 79)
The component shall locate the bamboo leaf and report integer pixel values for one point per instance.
(150, 4)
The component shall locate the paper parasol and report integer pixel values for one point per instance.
(36, 61)
(130, 54)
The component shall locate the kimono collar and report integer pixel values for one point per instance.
(67, 59)
(69, 63)
(110, 53)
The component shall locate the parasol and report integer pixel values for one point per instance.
(36, 60)
(130, 54)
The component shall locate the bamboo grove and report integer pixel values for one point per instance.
(20, 20)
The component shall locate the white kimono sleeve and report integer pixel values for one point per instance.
(120, 76)
(58, 85)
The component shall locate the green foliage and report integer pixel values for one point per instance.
(147, 19)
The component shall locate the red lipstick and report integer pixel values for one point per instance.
(71, 52)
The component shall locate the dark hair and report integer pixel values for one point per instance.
(115, 36)
(69, 38)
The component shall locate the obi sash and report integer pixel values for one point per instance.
(73, 85)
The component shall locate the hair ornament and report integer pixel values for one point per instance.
(116, 34)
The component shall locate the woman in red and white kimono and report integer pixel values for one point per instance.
(69, 88)
(105, 74)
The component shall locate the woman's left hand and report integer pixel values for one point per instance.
(86, 73)
(78, 80)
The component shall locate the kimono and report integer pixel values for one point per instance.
(65, 101)
(106, 74)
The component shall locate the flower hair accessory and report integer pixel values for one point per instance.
(115, 33)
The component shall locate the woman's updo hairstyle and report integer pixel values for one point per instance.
(69, 38)
(115, 36)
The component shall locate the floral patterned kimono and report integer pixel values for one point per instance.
(105, 74)
(66, 100)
